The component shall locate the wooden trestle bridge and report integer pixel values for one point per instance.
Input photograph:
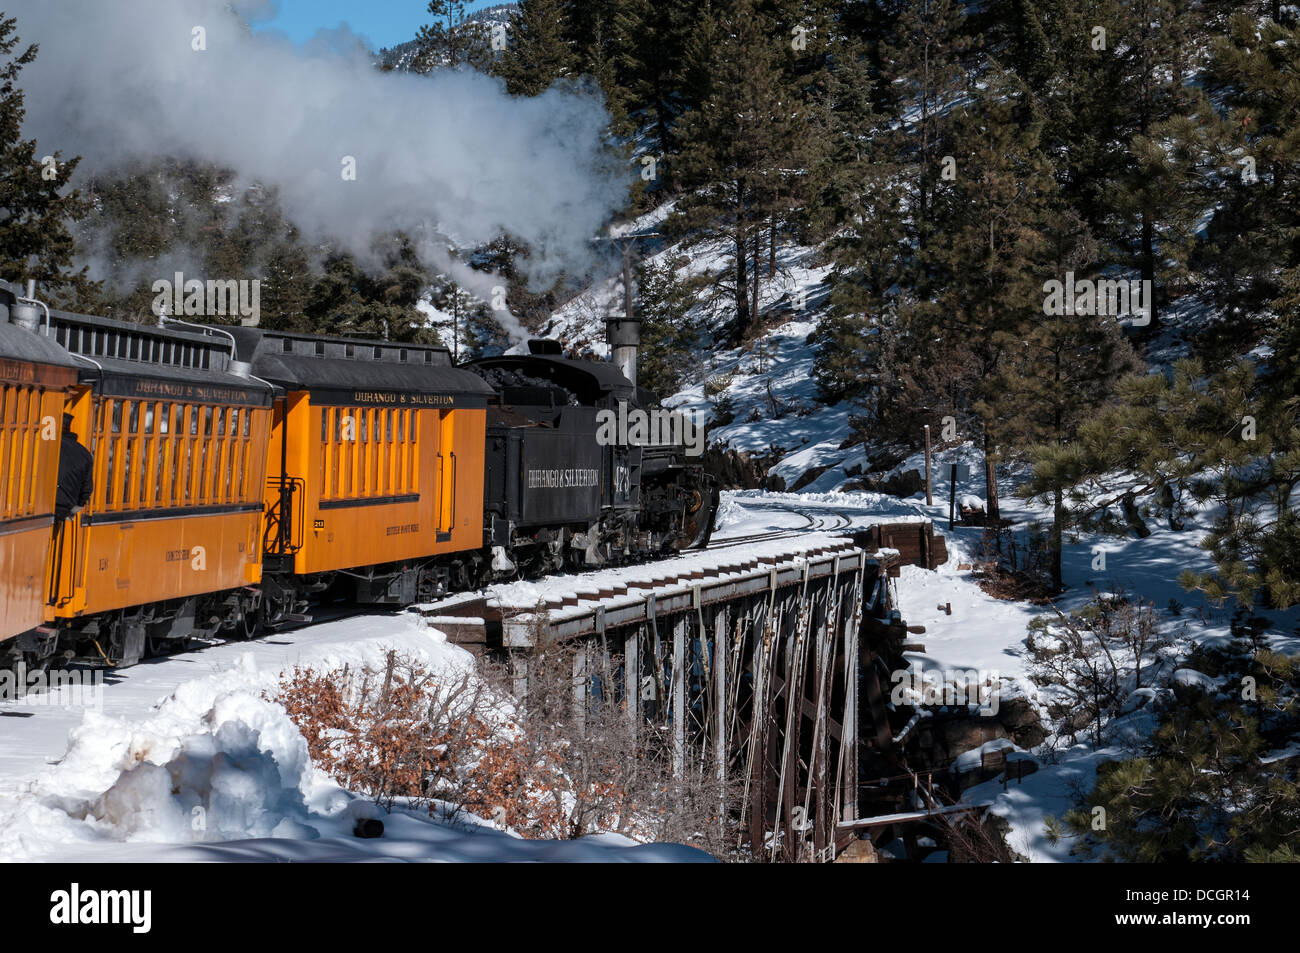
(770, 669)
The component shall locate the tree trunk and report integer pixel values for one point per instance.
(1168, 501)
(742, 284)
(1149, 267)
(758, 242)
(1133, 516)
(1058, 519)
(923, 189)
(771, 250)
(1058, 495)
(990, 483)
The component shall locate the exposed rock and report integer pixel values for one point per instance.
(1019, 717)
(904, 484)
(944, 737)
(860, 851)
(962, 734)
(809, 476)
(742, 471)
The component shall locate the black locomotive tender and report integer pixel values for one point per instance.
(556, 497)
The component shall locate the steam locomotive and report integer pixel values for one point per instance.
(241, 474)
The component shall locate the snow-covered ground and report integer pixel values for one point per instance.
(185, 760)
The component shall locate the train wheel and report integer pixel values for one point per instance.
(41, 657)
(478, 572)
(253, 624)
(37, 664)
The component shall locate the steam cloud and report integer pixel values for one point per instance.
(447, 156)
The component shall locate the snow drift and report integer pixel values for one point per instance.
(218, 772)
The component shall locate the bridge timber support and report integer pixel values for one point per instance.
(770, 671)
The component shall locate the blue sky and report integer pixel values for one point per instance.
(382, 22)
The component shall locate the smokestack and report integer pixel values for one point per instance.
(624, 336)
(25, 312)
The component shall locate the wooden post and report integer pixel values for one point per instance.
(929, 485)
(952, 497)
(632, 674)
(679, 695)
(580, 685)
(849, 736)
(721, 646)
(519, 673)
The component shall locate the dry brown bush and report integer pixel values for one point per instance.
(395, 731)
(548, 763)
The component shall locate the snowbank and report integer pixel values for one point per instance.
(216, 771)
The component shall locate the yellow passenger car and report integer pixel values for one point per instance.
(35, 374)
(169, 545)
(374, 472)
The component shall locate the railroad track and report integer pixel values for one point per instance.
(732, 541)
(817, 521)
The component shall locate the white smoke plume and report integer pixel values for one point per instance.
(450, 152)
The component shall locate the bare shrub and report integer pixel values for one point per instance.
(555, 761)
(978, 840)
(1008, 570)
(389, 732)
(1091, 660)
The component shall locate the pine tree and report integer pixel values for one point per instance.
(1251, 260)
(1061, 373)
(1254, 183)
(1191, 439)
(286, 286)
(924, 63)
(451, 38)
(536, 52)
(862, 205)
(1202, 790)
(1055, 371)
(739, 148)
(652, 46)
(36, 213)
(1135, 87)
(990, 248)
(1112, 80)
(350, 301)
(890, 148)
(668, 335)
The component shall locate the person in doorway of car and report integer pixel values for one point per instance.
(75, 474)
